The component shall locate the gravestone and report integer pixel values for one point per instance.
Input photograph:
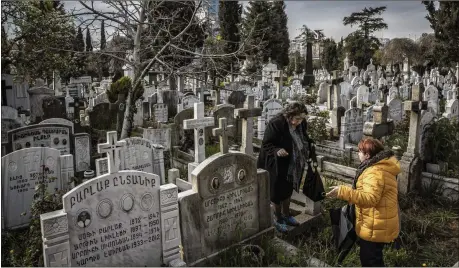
(171, 99)
(246, 114)
(82, 153)
(56, 136)
(369, 114)
(393, 93)
(142, 155)
(102, 117)
(36, 95)
(22, 171)
(363, 95)
(431, 96)
(9, 113)
(61, 121)
(452, 106)
(124, 218)
(161, 136)
(101, 166)
(188, 101)
(226, 111)
(322, 93)
(396, 112)
(228, 202)
(351, 126)
(198, 123)
(160, 113)
(223, 131)
(270, 109)
(237, 99)
(180, 136)
(53, 107)
(427, 118)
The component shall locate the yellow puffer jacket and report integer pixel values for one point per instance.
(376, 201)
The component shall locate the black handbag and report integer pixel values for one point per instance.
(313, 186)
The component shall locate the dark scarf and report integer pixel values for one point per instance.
(370, 162)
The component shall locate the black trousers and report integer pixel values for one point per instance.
(371, 253)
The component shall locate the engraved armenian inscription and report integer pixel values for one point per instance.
(115, 220)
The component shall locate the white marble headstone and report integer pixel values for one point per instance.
(22, 171)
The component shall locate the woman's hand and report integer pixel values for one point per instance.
(282, 153)
(333, 192)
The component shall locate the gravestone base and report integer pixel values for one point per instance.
(255, 239)
(410, 176)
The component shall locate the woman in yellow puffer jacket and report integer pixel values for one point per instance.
(376, 200)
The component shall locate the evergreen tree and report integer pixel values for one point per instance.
(103, 41)
(257, 32)
(88, 41)
(361, 44)
(280, 42)
(79, 42)
(230, 17)
(329, 57)
(445, 23)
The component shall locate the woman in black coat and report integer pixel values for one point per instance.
(283, 154)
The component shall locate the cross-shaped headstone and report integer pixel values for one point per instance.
(415, 106)
(246, 115)
(222, 131)
(198, 123)
(215, 97)
(114, 151)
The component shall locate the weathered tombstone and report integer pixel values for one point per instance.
(53, 107)
(322, 93)
(36, 95)
(188, 101)
(160, 113)
(396, 110)
(22, 171)
(270, 109)
(427, 118)
(363, 95)
(161, 136)
(180, 136)
(237, 99)
(431, 96)
(452, 106)
(228, 202)
(351, 126)
(246, 114)
(369, 114)
(101, 166)
(223, 131)
(102, 117)
(124, 218)
(171, 99)
(56, 136)
(142, 155)
(61, 121)
(82, 152)
(226, 111)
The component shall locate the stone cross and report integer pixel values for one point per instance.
(246, 115)
(198, 123)
(215, 97)
(415, 106)
(222, 132)
(114, 151)
(410, 163)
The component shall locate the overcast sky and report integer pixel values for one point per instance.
(404, 18)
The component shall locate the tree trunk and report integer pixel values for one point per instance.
(127, 122)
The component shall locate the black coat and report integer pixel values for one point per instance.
(277, 136)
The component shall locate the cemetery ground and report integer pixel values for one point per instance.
(430, 224)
